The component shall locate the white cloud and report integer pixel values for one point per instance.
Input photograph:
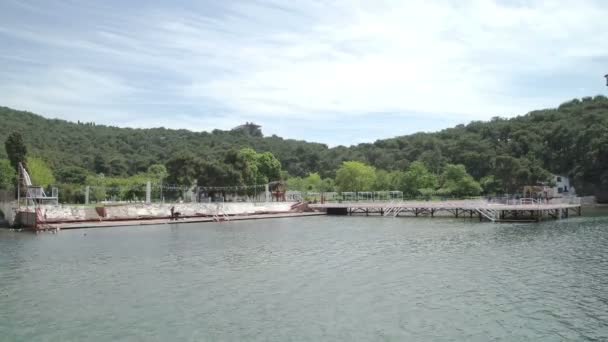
(69, 91)
(308, 61)
(409, 56)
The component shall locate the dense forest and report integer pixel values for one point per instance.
(497, 156)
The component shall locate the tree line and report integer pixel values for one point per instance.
(492, 157)
(416, 181)
(237, 169)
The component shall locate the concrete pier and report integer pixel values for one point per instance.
(52, 216)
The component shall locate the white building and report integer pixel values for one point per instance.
(562, 186)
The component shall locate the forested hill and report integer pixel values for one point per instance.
(128, 151)
(570, 140)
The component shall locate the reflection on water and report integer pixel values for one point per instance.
(310, 279)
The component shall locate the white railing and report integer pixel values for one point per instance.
(566, 200)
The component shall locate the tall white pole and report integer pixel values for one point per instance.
(148, 192)
(19, 189)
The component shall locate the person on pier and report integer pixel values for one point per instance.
(174, 214)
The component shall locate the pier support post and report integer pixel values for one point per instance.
(456, 212)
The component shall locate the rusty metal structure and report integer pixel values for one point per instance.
(278, 190)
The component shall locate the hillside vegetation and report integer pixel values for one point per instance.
(501, 155)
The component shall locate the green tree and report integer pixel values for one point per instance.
(8, 175)
(118, 167)
(355, 176)
(183, 169)
(295, 184)
(508, 171)
(256, 168)
(215, 174)
(71, 194)
(514, 173)
(328, 185)
(456, 181)
(40, 173)
(72, 175)
(313, 182)
(98, 187)
(386, 180)
(15, 149)
(415, 178)
(432, 159)
(491, 186)
(247, 162)
(269, 166)
(100, 165)
(157, 172)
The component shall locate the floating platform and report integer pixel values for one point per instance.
(520, 211)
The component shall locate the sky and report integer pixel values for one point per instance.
(337, 72)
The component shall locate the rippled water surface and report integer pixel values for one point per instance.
(309, 279)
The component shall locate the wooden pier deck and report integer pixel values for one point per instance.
(521, 210)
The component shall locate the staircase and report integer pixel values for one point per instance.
(391, 210)
(396, 211)
(490, 214)
(220, 215)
